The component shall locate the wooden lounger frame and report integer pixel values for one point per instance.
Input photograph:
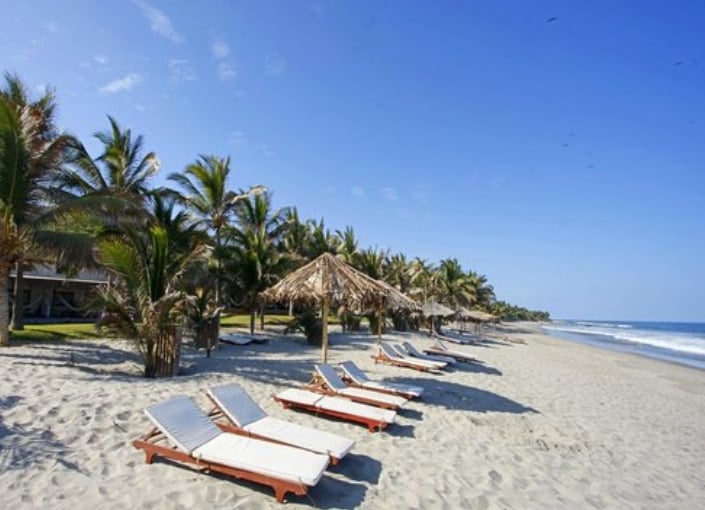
(149, 443)
(383, 358)
(223, 423)
(387, 391)
(456, 356)
(372, 425)
(318, 385)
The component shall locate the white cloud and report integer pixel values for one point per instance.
(237, 138)
(358, 192)
(226, 71)
(275, 65)
(220, 49)
(180, 71)
(101, 59)
(390, 193)
(52, 27)
(159, 22)
(122, 84)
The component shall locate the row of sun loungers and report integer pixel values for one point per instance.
(239, 439)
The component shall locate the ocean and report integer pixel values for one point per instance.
(677, 342)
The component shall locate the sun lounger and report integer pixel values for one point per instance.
(337, 407)
(413, 351)
(388, 355)
(401, 351)
(356, 377)
(245, 417)
(330, 383)
(240, 339)
(197, 441)
(439, 347)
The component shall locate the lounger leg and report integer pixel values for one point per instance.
(279, 493)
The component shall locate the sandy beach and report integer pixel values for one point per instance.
(541, 423)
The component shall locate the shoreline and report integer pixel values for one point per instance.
(543, 422)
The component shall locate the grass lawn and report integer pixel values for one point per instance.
(47, 332)
(87, 331)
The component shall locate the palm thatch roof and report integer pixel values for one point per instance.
(433, 309)
(475, 315)
(328, 278)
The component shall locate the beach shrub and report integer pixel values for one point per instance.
(308, 323)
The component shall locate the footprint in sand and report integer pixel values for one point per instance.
(495, 477)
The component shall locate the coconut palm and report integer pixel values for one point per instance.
(320, 240)
(206, 194)
(30, 147)
(456, 288)
(348, 248)
(147, 266)
(255, 261)
(122, 169)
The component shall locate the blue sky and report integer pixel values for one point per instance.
(563, 158)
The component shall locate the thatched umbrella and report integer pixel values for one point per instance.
(394, 300)
(433, 309)
(326, 281)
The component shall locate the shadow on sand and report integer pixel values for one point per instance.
(26, 447)
(450, 395)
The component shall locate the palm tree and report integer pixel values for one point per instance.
(320, 240)
(348, 248)
(255, 260)
(121, 169)
(30, 147)
(147, 266)
(484, 292)
(456, 288)
(205, 192)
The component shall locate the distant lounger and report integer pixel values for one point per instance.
(355, 376)
(240, 339)
(413, 351)
(401, 351)
(245, 417)
(391, 357)
(439, 347)
(337, 407)
(197, 441)
(330, 383)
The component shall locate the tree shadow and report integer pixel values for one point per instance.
(450, 395)
(23, 448)
(359, 468)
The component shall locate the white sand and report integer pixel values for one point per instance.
(546, 424)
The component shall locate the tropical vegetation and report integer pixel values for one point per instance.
(176, 256)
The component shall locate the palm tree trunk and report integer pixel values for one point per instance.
(17, 323)
(217, 267)
(261, 318)
(4, 308)
(253, 311)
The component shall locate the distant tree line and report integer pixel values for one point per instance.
(175, 253)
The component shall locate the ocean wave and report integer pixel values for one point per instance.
(682, 343)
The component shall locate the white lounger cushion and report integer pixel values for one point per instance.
(239, 407)
(411, 349)
(373, 395)
(391, 353)
(359, 377)
(269, 459)
(302, 437)
(341, 405)
(442, 348)
(336, 384)
(183, 422)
